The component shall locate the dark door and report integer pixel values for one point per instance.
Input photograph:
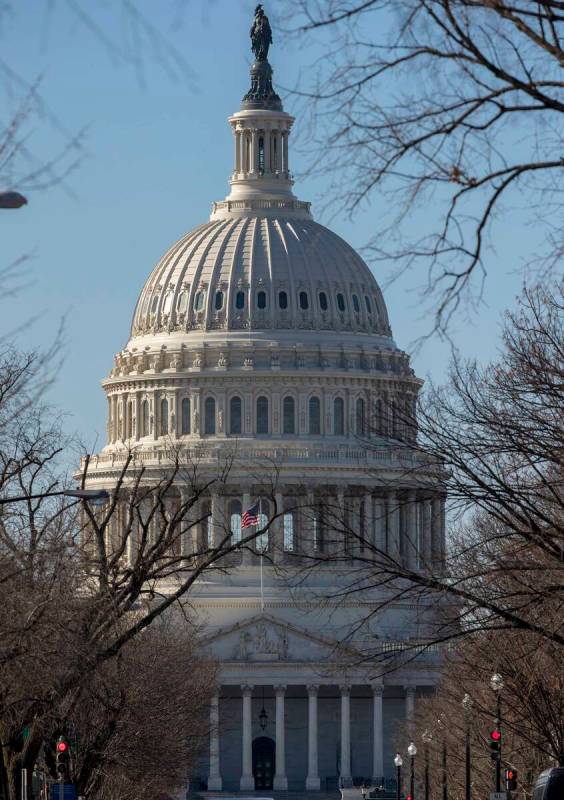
(263, 762)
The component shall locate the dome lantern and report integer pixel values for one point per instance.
(261, 174)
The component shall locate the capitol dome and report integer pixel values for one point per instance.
(261, 386)
(261, 272)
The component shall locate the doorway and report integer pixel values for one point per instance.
(263, 762)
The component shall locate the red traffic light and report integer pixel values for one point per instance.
(509, 774)
(62, 747)
(495, 735)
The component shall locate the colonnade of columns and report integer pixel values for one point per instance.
(247, 143)
(312, 779)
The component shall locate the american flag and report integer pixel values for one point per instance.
(251, 516)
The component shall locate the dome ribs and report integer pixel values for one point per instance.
(239, 233)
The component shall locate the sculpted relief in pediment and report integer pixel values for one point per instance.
(261, 643)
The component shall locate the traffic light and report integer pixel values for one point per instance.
(511, 779)
(495, 743)
(62, 758)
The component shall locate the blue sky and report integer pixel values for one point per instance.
(157, 152)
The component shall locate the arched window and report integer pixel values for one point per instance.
(314, 416)
(181, 301)
(240, 301)
(356, 304)
(289, 415)
(199, 301)
(235, 416)
(262, 540)
(262, 415)
(379, 414)
(247, 153)
(288, 521)
(274, 153)
(185, 423)
(261, 153)
(235, 509)
(339, 417)
(261, 300)
(323, 304)
(145, 418)
(167, 305)
(218, 303)
(368, 304)
(164, 417)
(304, 301)
(283, 300)
(341, 302)
(360, 417)
(209, 421)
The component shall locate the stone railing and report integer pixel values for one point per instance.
(256, 204)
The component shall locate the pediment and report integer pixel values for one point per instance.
(265, 639)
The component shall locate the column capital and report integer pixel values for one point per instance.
(312, 689)
(280, 688)
(410, 690)
(377, 689)
(247, 689)
(345, 688)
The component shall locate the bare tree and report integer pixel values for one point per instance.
(494, 438)
(454, 107)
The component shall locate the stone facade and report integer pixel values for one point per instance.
(263, 337)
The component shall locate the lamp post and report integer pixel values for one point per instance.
(95, 497)
(496, 682)
(412, 752)
(398, 761)
(467, 704)
(427, 739)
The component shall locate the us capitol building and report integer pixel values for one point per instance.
(262, 333)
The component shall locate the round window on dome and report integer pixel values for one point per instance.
(240, 301)
(356, 304)
(283, 300)
(261, 300)
(199, 301)
(368, 304)
(218, 301)
(341, 302)
(304, 301)
(323, 304)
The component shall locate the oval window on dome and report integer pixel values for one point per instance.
(323, 304)
(304, 301)
(218, 301)
(199, 301)
(283, 300)
(341, 302)
(154, 304)
(356, 304)
(240, 301)
(368, 304)
(261, 300)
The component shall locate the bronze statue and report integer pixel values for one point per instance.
(261, 34)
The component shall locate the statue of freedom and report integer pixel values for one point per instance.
(261, 34)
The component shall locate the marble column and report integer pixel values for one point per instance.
(237, 136)
(312, 780)
(436, 531)
(378, 734)
(393, 514)
(214, 778)
(346, 779)
(247, 782)
(280, 780)
(339, 533)
(379, 526)
(277, 531)
(411, 530)
(426, 556)
(216, 519)
(368, 525)
(410, 704)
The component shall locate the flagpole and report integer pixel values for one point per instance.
(261, 558)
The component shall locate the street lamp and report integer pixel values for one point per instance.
(496, 682)
(94, 497)
(412, 752)
(467, 704)
(12, 200)
(427, 739)
(398, 761)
